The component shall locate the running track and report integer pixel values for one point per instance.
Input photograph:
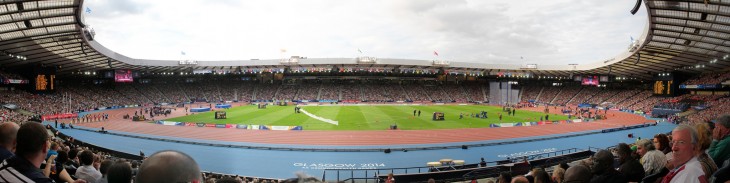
(355, 138)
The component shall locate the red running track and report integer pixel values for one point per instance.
(356, 138)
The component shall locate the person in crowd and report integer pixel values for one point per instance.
(520, 179)
(60, 174)
(504, 177)
(540, 176)
(578, 174)
(722, 175)
(703, 143)
(720, 147)
(630, 167)
(135, 167)
(169, 166)
(97, 162)
(390, 178)
(104, 169)
(301, 178)
(558, 174)
(120, 172)
(603, 170)
(687, 169)
(661, 143)
(652, 160)
(227, 179)
(53, 150)
(483, 163)
(30, 152)
(73, 161)
(87, 170)
(8, 131)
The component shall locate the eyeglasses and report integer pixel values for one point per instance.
(677, 142)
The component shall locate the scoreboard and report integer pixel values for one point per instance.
(664, 88)
(45, 79)
(45, 82)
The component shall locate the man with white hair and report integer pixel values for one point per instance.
(652, 160)
(687, 169)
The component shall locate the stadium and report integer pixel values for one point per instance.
(308, 112)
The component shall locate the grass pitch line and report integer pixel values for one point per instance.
(320, 118)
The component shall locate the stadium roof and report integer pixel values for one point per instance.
(691, 36)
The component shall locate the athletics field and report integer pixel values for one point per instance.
(366, 117)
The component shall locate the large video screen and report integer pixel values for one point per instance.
(604, 78)
(590, 80)
(123, 76)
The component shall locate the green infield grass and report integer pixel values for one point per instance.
(366, 117)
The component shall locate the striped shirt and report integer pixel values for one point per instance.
(16, 169)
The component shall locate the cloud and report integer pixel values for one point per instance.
(115, 8)
(544, 32)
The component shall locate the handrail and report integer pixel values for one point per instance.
(427, 169)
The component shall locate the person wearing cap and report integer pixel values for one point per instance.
(720, 148)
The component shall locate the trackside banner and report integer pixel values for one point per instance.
(237, 126)
(59, 116)
(285, 127)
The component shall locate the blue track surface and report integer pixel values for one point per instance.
(283, 164)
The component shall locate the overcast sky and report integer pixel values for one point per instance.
(555, 32)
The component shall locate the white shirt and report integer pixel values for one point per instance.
(690, 172)
(88, 173)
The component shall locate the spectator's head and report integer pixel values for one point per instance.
(661, 141)
(54, 146)
(8, 132)
(564, 165)
(97, 161)
(520, 179)
(62, 157)
(704, 137)
(119, 172)
(624, 152)
(660, 162)
(602, 162)
(558, 174)
(86, 157)
(34, 142)
(643, 146)
(104, 167)
(504, 177)
(684, 144)
(73, 154)
(540, 176)
(169, 166)
(578, 174)
(301, 177)
(723, 124)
